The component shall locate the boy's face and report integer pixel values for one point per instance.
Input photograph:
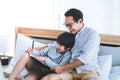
(61, 49)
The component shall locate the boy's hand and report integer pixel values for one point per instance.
(40, 58)
(30, 50)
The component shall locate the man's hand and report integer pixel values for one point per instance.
(71, 65)
(58, 69)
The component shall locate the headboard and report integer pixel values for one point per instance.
(106, 39)
(111, 42)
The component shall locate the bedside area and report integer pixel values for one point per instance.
(3, 67)
(4, 59)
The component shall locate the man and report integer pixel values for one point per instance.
(84, 62)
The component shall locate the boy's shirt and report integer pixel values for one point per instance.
(53, 58)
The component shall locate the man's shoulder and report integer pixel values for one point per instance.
(90, 30)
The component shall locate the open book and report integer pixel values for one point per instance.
(44, 68)
(37, 61)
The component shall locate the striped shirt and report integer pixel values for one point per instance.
(86, 48)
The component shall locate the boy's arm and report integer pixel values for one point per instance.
(65, 59)
(40, 48)
(50, 63)
(30, 50)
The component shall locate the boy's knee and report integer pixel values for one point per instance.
(26, 56)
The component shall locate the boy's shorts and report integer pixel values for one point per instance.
(81, 76)
(38, 69)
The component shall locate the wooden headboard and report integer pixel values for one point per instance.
(106, 39)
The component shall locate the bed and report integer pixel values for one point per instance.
(108, 55)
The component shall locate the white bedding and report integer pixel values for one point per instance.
(115, 73)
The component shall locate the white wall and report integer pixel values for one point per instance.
(25, 13)
(102, 15)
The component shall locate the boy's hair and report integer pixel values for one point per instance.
(75, 13)
(66, 39)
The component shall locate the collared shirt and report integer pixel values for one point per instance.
(53, 58)
(86, 48)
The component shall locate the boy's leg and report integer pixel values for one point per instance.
(20, 65)
(19, 78)
(30, 77)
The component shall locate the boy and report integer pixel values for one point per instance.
(55, 54)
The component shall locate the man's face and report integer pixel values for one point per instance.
(73, 26)
(61, 48)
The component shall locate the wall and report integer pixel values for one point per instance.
(25, 13)
(102, 15)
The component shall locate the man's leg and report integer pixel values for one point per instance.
(20, 65)
(63, 76)
(86, 75)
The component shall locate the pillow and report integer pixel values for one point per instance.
(22, 44)
(105, 63)
(115, 73)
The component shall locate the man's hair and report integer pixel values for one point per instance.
(75, 13)
(66, 39)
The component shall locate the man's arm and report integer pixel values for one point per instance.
(71, 65)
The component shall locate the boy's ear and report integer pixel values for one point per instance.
(80, 20)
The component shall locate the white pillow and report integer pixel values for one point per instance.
(105, 63)
(115, 73)
(22, 44)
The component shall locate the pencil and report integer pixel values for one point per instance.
(32, 44)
